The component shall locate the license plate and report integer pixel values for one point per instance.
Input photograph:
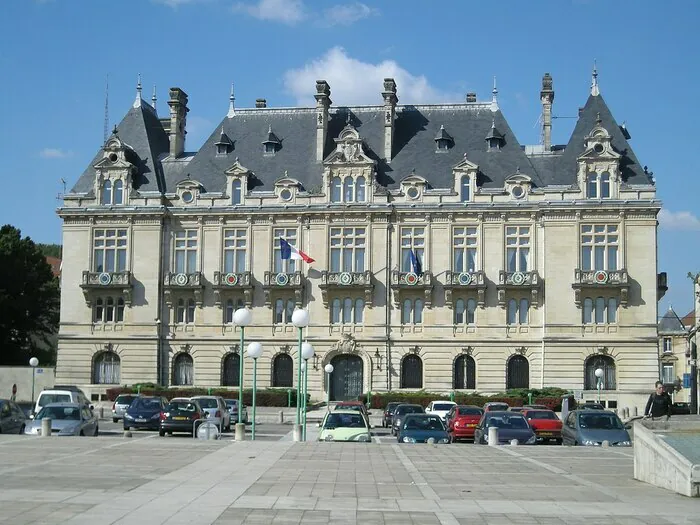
(546, 433)
(471, 425)
(140, 420)
(180, 418)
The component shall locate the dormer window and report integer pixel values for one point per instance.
(443, 140)
(188, 191)
(224, 144)
(494, 139)
(112, 192)
(272, 144)
(236, 192)
(465, 188)
(598, 185)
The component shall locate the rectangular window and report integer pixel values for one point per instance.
(412, 239)
(599, 310)
(667, 375)
(235, 244)
(668, 345)
(464, 245)
(518, 312)
(347, 311)
(348, 249)
(109, 250)
(289, 235)
(599, 246)
(517, 248)
(412, 311)
(284, 308)
(186, 251)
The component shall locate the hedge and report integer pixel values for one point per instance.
(270, 397)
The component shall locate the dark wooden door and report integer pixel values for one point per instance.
(283, 371)
(346, 379)
(231, 370)
(518, 373)
(465, 373)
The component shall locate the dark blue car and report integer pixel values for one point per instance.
(144, 413)
(511, 425)
(419, 428)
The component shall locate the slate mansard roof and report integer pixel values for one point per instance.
(414, 147)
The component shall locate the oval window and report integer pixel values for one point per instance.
(412, 192)
(518, 192)
(187, 197)
(285, 194)
(598, 148)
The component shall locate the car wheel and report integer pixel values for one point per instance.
(126, 429)
(170, 433)
(97, 431)
(21, 429)
(82, 433)
(161, 433)
(115, 420)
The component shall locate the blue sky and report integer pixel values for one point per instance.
(55, 56)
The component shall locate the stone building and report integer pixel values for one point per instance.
(674, 353)
(447, 255)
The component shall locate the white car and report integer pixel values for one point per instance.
(49, 396)
(216, 410)
(439, 408)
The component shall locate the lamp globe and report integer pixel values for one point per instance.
(300, 318)
(242, 317)
(328, 368)
(34, 362)
(599, 372)
(307, 351)
(255, 350)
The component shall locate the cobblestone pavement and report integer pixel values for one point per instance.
(152, 480)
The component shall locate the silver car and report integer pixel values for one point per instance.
(593, 426)
(120, 406)
(67, 419)
(216, 410)
(232, 405)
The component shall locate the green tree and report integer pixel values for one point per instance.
(29, 300)
(50, 250)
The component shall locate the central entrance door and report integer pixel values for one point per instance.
(346, 379)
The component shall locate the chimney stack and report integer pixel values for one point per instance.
(178, 119)
(471, 97)
(260, 103)
(547, 98)
(390, 100)
(323, 102)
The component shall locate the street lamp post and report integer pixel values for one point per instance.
(329, 370)
(241, 318)
(33, 362)
(255, 350)
(307, 352)
(300, 319)
(599, 375)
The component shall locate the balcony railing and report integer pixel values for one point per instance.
(234, 282)
(336, 281)
(514, 281)
(187, 282)
(291, 281)
(406, 281)
(112, 281)
(474, 281)
(612, 280)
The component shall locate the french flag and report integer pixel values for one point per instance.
(290, 252)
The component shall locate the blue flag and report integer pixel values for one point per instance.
(415, 263)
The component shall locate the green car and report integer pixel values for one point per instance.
(345, 425)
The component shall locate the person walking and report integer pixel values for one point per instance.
(659, 404)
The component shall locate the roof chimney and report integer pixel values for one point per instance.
(471, 97)
(260, 103)
(178, 118)
(547, 98)
(390, 100)
(323, 102)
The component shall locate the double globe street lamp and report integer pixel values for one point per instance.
(255, 350)
(307, 352)
(300, 319)
(241, 318)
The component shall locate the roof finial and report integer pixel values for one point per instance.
(348, 119)
(598, 120)
(494, 98)
(269, 128)
(154, 99)
(595, 90)
(137, 102)
(231, 107)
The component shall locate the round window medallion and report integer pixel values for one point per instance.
(281, 279)
(286, 195)
(412, 192)
(187, 197)
(598, 148)
(113, 157)
(518, 192)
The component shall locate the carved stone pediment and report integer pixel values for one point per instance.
(345, 345)
(349, 148)
(237, 170)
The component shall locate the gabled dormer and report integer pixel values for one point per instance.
(494, 138)
(348, 171)
(113, 173)
(599, 164)
(237, 182)
(188, 192)
(413, 187)
(465, 179)
(287, 189)
(443, 140)
(518, 185)
(272, 144)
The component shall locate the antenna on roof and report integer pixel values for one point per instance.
(106, 127)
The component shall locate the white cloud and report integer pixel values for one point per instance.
(347, 14)
(55, 153)
(285, 11)
(355, 82)
(681, 220)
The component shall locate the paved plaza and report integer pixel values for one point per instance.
(151, 480)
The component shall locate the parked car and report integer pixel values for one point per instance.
(181, 415)
(120, 405)
(545, 423)
(12, 418)
(679, 408)
(67, 419)
(511, 425)
(590, 427)
(536, 407)
(419, 428)
(440, 408)
(217, 411)
(400, 413)
(49, 396)
(389, 413)
(590, 405)
(232, 405)
(516, 409)
(352, 405)
(495, 405)
(462, 421)
(144, 413)
(345, 425)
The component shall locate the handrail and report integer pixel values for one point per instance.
(194, 430)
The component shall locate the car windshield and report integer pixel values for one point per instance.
(423, 423)
(409, 409)
(207, 402)
(442, 406)
(349, 407)
(185, 406)
(146, 403)
(335, 420)
(465, 411)
(47, 399)
(514, 422)
(600, 421)
(124, 400)
(56, 413)
(498, 406)
(541, 414)
(232, 403)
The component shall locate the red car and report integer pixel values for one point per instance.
(462, 421)
(545, 423)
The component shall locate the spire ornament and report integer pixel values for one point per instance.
(137, 102)
(595, 90)
(154, 99)
(494, 98)
(231, 107)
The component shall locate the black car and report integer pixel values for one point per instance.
(389, 413)
(12, 417)
(399, 413)
(181, 415)
(511, 425)
(144, 413)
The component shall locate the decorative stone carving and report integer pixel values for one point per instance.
(407, 281)
(467, 282)
(283, 281)
(345, 345)
(337, 281)
(233, 282)
(518, 281)
(119, 282)
(614, 280)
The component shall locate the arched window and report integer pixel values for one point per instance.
(118, 192)
(360, 189)
(230, 370)
(465, 188)
(359, 311)
(335, 312)
(236, 192)
(464, 373)
(612, 310)
(190, 310)
(347, 310)
(518, 372)
(107, 192)
(605, 363)
(282, 371)
(587, 310)
(106, 369)
(183, 370)
(459, 311)
(348, 189)
(412, 372)
(605, 186)
(335, 189)
(471, 311)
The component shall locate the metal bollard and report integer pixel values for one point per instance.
(605, 444)
(46, 427)
(493, 436)
(280, 417)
